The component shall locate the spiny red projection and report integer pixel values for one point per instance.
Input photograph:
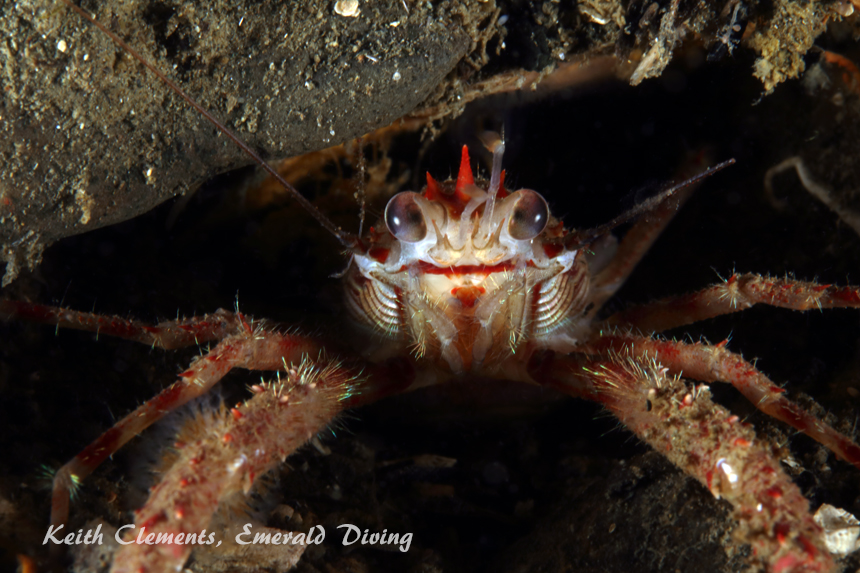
(464, 177)
(223, 453)
(455, 201)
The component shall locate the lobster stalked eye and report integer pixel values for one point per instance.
(529, 217)
(404, 218)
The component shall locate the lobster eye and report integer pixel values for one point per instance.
(529, 217)
(404, 218)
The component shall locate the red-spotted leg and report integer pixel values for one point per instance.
(252, 348)
(223, 453)
(709, 363)
(168, 335)
(737, 293)
(704, 440)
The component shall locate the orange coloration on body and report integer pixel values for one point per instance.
(468, 295)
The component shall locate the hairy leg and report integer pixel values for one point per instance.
(221, 454)
(707, 442)
(255, 349)
(717, 364)
(169, 334)
(244, 344)
(736, 293)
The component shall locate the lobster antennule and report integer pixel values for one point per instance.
(496, 177)
(496, 144)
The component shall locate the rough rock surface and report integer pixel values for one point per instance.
(91, 138)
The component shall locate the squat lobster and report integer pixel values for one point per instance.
(467, 280)
(464, 281)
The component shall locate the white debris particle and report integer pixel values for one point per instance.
(841, 529)
(347, 8)
(237, 464)
(790, 462)
(149, 173)
(85, 204)
(396, 76)
(727, 469)
(61, 46)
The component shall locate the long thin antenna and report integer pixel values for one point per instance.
(580, 239)
(347, 239)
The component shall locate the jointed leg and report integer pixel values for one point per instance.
(252, 349)
(244, 344)
(221, 454)
(704, 440)
(169, 334)
(737, 293)
(717, 364)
